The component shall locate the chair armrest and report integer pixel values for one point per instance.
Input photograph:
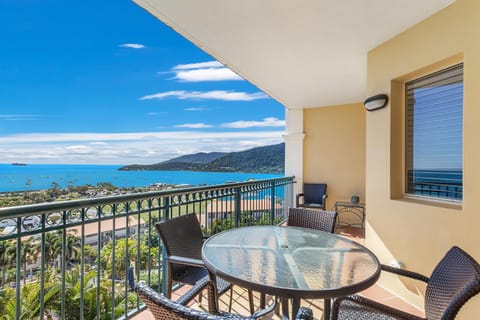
(185, 261)
(265, 311)
(304, 313)
(405, 273)
(194, 291)
(298, 196)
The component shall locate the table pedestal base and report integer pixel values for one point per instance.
(296, 305)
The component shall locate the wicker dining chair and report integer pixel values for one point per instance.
(453, 282)
(182, 238)
(313, 219)
(163, 308)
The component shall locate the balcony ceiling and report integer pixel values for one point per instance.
(307, 53)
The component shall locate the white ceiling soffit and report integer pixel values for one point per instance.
(307, 53)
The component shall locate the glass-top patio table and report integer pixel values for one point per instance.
(291, 263)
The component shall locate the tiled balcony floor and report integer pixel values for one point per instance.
(240, 296)
(240, 303)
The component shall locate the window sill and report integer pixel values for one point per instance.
(456, 205)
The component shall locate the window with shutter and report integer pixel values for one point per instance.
(434, 135)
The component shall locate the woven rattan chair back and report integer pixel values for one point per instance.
(163, 308)
(182, 236)
(453, 282)
(313, 219)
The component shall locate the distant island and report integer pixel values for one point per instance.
(268, 159)
(18, 164)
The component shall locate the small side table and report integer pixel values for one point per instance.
(355, 211)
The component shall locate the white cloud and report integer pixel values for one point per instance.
(19, 117)
(207, 74)
(195, 109)
(126, 148)
(203, 71)
(209, 64)
(214, 95)
(99, 143)
(193, 125)
(267, 122)
(132, 45)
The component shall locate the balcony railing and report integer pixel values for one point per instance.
(80, 259)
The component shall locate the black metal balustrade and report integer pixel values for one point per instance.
(446, 190)
(79, 259)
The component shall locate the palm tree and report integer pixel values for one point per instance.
(7, 257)
(53, 246)
(72, 247)
(30, 306)
(29, 253)
(74, 292)
(29, 299)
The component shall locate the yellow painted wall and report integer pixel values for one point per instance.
(334, 147)
(419, 234)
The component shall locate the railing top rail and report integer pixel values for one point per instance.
(26, 210)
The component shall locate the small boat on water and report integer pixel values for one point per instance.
(19, 164)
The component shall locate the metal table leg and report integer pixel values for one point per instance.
(326, 309)
(284, 308)
(295, 307)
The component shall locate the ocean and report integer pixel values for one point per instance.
(41, 176)
(439, 183)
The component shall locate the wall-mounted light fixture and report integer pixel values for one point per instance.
(376, 102)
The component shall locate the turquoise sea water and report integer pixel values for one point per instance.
(40, 176)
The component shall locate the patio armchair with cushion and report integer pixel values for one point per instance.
(313, 219)
(163, 308)
(314, 196)
(453, 282)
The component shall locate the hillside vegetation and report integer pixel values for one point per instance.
(268, 159)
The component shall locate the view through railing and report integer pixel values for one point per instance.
(80, 259)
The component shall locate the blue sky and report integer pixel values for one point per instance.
(106, 82)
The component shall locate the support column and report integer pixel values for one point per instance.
(294, 146)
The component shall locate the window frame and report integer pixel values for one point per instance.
(408, 137)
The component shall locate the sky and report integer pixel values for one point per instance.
(104, 82)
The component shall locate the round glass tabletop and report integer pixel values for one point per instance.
(291, 261)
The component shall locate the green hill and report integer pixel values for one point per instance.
(201, 157)
(268, 159)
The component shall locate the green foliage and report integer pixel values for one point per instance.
(6, 295)
(53, 246)
(29, 299)
(30, 292)
(246, 219)
(74, 293)
(262, 159)
(124, 257)
(7, 258)
(106, 185)
(155, 278)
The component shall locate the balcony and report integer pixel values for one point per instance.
(61, 260)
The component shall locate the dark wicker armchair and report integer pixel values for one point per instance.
(182, 238)
(453, 282)
(314, 196)
(313, 219)
(163, 308)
